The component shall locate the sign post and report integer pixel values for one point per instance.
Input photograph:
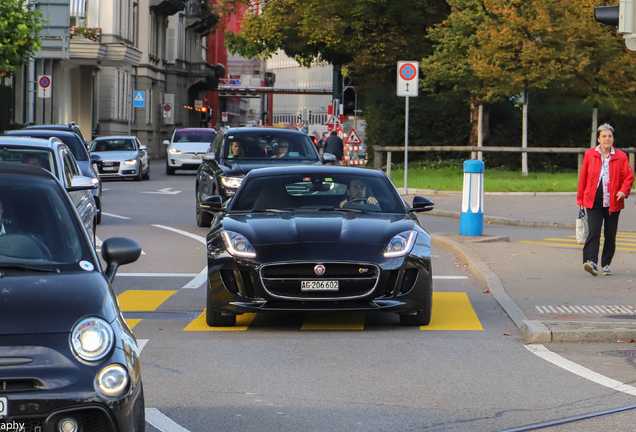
(44, 87)
(407, 86)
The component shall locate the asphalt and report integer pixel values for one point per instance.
(541, 283)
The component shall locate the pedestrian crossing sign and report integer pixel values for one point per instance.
(139, 99)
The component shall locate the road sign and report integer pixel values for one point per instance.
(224, 116)
(44, 86)
(353, 138)
(198, 103)
(408, 78)
(333, 120)
(167, 110)
(139, 99)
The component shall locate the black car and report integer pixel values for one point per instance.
(79, 150)
(68, 360)
(236, 151)
(315, 239)
(70, 127)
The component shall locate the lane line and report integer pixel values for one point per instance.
(169, 275)
(142, 343)
(178, 231)
(162, 422)
(570, 366)
(201, 278)
(115, 216)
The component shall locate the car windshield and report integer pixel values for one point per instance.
(104, 145)
(195, 136)
(39, 226)
(40, 157)
(318, 192)
(71, 140)
(268, 145)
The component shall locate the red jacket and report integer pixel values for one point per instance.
(621, 178)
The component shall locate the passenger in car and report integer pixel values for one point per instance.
(32, 159)
(357, 190)
(236, 150)
(282, 148)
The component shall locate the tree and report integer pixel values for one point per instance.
(19, 24)
(367, 36)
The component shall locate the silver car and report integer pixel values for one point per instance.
(121, 157)
(54, 156)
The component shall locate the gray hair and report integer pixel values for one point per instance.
(604, 126)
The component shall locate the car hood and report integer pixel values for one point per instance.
(53, 303)
(191, 147)
(117, 155)
(319, 227)
(241, 168)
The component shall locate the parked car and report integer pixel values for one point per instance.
(78, 149)
(70, 361)
(70, 127)
(121, 157)
(54, 156)
(222, 171)
(186, 147)
(318, 238)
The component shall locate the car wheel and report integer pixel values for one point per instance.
(169, 169)
(139, 176)
(214, 318)
(204, 219)
(147, 175)
(98, 218)
(423, 316)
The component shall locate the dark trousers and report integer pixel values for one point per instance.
(595, 218)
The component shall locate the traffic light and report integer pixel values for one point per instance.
(621, 16)
(204, 115)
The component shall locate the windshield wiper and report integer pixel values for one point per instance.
(23, 266)
(269, 210)
(353, 210)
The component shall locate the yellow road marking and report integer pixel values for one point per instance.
(335, 321)
(142, 300)
(133, 322)
(452, 311)
(242, 323)
(570, 245)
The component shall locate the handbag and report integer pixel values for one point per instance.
(582, 229)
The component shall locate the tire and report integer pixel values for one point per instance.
(204, 219)
(169, 169)
(139, 176)
(423, 316)
(214, 318)
(98, 218)
(147, 175)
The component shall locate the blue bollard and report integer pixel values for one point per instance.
(471, 222)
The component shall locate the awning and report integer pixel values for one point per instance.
(78, 8)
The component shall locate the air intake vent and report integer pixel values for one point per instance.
(410, 276)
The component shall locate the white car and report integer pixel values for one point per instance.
(186, 148)
(54, 156)
(121, 157)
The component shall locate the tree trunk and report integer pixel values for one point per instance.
(474, 119)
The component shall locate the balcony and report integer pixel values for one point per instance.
(199, 17)
(167, 7)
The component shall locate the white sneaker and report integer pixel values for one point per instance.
(607, 271)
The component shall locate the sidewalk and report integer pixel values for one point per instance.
(543, 288)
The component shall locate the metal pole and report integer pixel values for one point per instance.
(480, 125)
(406, 149)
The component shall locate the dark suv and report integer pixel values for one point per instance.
(236, 151)
(77, 147)
(71, 127)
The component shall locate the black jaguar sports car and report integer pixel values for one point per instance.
(317, 238)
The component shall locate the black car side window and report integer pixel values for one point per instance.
(217, 145)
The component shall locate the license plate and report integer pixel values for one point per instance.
(323, 285)
(196, 156)
(4, 407)
(109, 168)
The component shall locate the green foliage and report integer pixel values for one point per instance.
(19, 23)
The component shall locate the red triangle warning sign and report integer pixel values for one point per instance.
(353, 138)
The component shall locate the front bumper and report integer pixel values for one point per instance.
(119, 170)
(56, 385)
(184, 160)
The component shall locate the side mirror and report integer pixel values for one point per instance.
(208, 157)
(96, 158)
(118, 251)
(81, 183)
(212, 204)
(422, 204)
(143, 147)
(166, 142)
(329, 159)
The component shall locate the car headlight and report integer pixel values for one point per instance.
(400, 245)
(130, 162)
(232, 182)
(237, 245)
(95, 180)
(92, 339)
(112, 380)
(174, 151)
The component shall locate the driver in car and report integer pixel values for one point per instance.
(357, 190)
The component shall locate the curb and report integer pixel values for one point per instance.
(507, 221)
(532, 331)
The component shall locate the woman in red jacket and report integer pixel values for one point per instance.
(605, 181)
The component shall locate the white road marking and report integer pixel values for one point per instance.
(579, 370)
(201, 278)
(142, 343)
(449, 277)
(596, 309)
(161, 422)
(190, 275)
(165, 191)
(115, 216)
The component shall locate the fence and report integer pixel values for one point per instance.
(380, 150)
